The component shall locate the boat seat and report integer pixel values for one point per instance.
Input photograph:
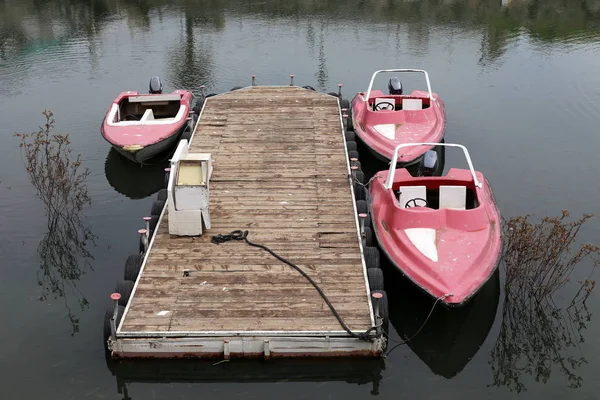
(412, 104)
(148, 115)
(453, 197)
(411, 192)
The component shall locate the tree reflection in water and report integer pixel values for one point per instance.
(537, 334)
(60, 184)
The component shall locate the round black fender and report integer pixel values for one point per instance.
(157, 207)
(124, 288)
(132, 267)
(107, 316)
(372, 257)
(375, 276)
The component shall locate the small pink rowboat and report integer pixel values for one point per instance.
(442, 232)
(382, 121)
(142, 127)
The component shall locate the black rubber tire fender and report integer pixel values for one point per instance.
(375, 276)
(162, 195)
(360, 176)
(350, 135)
(133, 264)
(372, 257)
(124, 288)
(107, 316)
(157, 207)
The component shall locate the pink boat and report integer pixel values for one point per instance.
(382, 121)
(143, 126)
(442, 232)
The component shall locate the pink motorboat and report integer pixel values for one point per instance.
(383, 121)
(142, 127)
(442, 232)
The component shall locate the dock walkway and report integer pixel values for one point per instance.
(280, 172)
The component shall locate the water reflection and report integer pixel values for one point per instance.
(350, 370)
(538, 335)
(60, 184)
(451, 337)
(498, 22)
(190, 61)
(131, 179)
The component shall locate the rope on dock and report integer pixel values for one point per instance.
(243, 235)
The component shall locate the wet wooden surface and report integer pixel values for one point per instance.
(280, 172)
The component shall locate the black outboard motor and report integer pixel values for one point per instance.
(428, 164)
(156, 86)
(395, 86)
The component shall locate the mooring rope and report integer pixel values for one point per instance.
(243, 235)
(405, 341)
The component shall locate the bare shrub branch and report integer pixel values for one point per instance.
(536, 334)
(59, 180)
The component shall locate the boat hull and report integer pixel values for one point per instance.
(449, 253)
(154, 152)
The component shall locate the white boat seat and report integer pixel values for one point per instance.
(384, 100)
(453, 197)
(410, 192)
(412, 104)
(148, 115)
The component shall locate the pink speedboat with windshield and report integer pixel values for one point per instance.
(383, 121)
(442, 232)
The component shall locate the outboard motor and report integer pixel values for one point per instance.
(395, 86)
(429, 163)
(156, 86)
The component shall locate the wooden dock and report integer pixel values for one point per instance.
(281, 172)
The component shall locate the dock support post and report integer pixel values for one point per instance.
(202, 90)
(353, 170)
(291, 80)
(378, 319)
(144, 235)
(340, 90)
(113, 320)
(267, 350)
(226, 350)
(362, 228)
(253, 80)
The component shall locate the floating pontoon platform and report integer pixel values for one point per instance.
(280, 170)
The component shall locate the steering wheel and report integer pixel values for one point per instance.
(131, 117)
(388, 106)
(414, 201)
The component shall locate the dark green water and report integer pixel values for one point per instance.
(522, 89)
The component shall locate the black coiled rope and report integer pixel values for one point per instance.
(243, 235)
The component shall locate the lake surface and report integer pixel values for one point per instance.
(521, 85)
